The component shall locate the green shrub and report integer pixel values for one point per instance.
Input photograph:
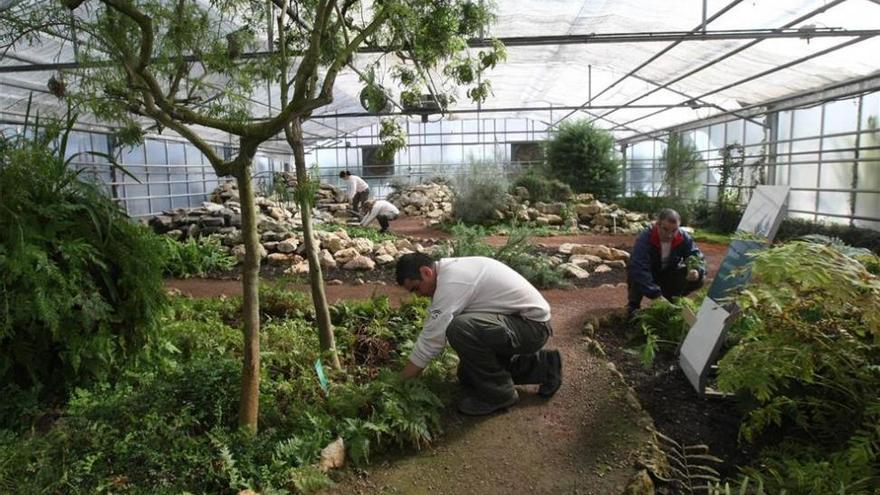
(518, 253)
(651, 205)
(792, 228)
(806, 361)
(82, 284)
(541, 187)
(683, 166)
(196, 257)
(582, 156)
(168, 426)
(479, 192)
(663, 326)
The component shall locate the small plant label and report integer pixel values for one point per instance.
(322, 377)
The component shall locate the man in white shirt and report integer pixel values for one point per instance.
(380, 210)
(495, 320)
(358, 189)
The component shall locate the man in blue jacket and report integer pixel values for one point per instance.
(664, 261)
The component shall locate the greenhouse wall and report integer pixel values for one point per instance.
(444, 148)
(829, 153)
(162, 173)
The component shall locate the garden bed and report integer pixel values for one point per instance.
(665, 393)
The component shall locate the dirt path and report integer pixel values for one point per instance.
(585, 440)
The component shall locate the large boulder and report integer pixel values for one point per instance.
(345, 255)
(359, 263)
(595, 249)
(573, 271)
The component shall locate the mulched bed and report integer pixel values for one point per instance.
(677, 410)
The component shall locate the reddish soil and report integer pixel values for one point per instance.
(585, 440)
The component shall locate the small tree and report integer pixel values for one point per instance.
(683, 165)
(582, 156)
(188, 65)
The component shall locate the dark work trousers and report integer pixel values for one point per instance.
(498, 351)
(384, 221)
(672, 282)
(359, 198)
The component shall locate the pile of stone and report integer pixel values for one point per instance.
(280, 231)
(331, 203)
(584, 213)
(339, 250)
(579, 260)
(430, 200)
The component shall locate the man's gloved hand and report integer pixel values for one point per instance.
(693, 275)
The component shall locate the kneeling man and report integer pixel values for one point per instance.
(664, 261)
(381, 210)
(495, 320)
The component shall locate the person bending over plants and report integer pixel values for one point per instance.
(380, 210)
(358, 189)
(665, 262)
(495, 320)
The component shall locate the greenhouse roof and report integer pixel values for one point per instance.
(634, 66)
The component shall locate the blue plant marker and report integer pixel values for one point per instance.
(322, 377)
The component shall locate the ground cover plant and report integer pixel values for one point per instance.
(168, 425)
(803, 364)
(81, 287)
(517, 253)
(196, 257)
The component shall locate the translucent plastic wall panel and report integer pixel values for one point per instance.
(639, 167)
(803, 201)
(451, 130)
(735, 132)
(433, 133)
(159, 189)
(783, 148)
(469, 129)
(868, 206)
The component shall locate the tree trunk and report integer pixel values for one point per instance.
(316, 280)
(248, 409)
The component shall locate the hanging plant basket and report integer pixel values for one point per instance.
(375, 100)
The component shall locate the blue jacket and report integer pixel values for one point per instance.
(645, 261)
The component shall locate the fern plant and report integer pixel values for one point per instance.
(807, 360)
(196, 257)
(82, 285)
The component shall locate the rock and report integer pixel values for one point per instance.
(573, 271)
(616, 264)
(278, 213)
(298, 269)
(584, 260)
(521, 192)
(326, 259)
(594, 249)
(288, 245)
(618, 254)
(279, 259)
(549, 208)
(334, 281)
(566, 248)
(346, 255)
(401, 244)
(587, 211)
(239, 251)
(384, 259)
(212, 207)
(270, 246)
(602, 269)
(211, 222)
(161, 223)
(333, 455)
(363, 245)
(358, 281)
(360, 263)
(334, 243)
(554, 219)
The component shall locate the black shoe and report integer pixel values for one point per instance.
(554, 374)
(473, 406)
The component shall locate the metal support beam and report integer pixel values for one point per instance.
(491, 110)
(654, 57)
(838, 90)
(676, 37)
(729, 54)
(765, 73)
